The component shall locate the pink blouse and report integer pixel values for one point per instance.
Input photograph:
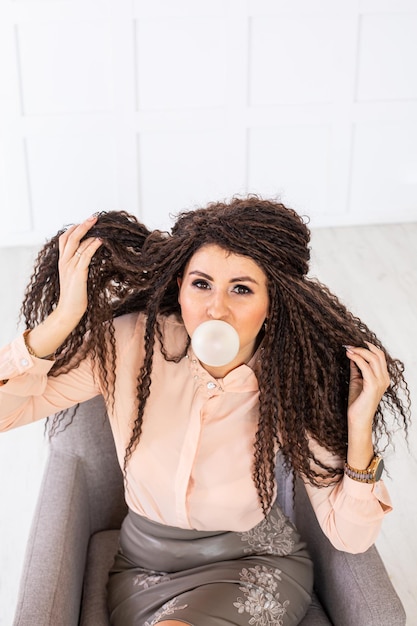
(192, 467)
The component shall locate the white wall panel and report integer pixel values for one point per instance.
(181, 62)
(16, 216)
(14, 191)
(387, 57)
(71, 177)
(182, 8)
(4, 201)
(293, 59)
(301, 7)
(291, 163)
(384, 177)
(184, 170)
(65, 67)
(387, 6)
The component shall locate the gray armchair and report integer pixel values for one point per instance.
(74, 538)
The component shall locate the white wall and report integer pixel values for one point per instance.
(158, 105)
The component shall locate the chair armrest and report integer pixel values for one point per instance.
(52, 579)
(353, 588)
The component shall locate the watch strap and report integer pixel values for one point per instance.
(369, 475)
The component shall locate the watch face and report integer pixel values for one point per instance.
(379, 470)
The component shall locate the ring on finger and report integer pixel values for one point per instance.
(78, 254)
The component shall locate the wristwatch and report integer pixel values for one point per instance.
(371, 474)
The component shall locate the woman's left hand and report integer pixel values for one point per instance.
(369, 379)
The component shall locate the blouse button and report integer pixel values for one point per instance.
(211, 385)
(24, 362)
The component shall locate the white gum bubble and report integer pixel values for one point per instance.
(215, 343)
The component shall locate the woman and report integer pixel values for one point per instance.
(110, 310)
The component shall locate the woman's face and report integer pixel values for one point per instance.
(221, 285)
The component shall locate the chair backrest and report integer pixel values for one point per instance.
(89, 437)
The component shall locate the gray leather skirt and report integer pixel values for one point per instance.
(262, 577)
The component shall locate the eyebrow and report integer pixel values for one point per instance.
(238, 279)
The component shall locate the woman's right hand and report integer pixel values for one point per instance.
(74, 259)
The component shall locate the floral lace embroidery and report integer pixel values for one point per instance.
(167, 609)
(261, 599)
(274, 535)
(149, 578)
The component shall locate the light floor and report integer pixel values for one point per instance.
(373, 269)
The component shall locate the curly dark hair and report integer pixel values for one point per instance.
(304, 372)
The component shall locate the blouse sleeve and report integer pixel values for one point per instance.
(350, 513)
(28, 394)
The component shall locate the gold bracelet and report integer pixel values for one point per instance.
(28, 348)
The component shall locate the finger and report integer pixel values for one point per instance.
(70, 240)
(355, 373)
(62, 241)
(365, 361)
(371, 365)
(378, 352)
(87, 249)
(373, 356)
(355, 381)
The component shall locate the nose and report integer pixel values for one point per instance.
(217, 307)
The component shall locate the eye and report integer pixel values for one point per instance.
(242, 290)
(200, 283)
